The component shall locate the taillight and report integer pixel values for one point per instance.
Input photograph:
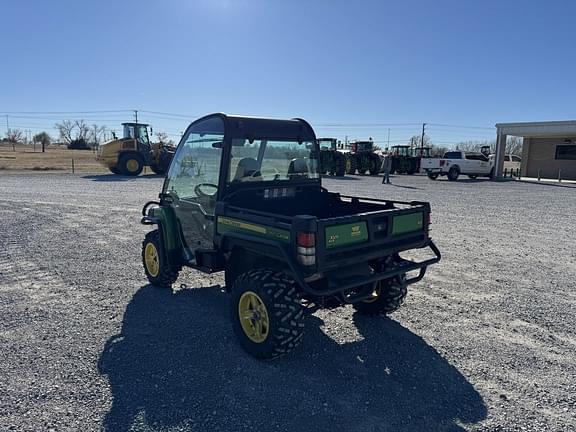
(306, 252)
(442, 162)
(306, 239)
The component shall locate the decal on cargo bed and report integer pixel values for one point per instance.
(342, 235)
(407, 223)
(235, 225)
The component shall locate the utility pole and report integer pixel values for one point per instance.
(388, 149)
(95, 139)
(422, 139)
(136, 115)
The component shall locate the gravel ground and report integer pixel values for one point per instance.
(486, 342)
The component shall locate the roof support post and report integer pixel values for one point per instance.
(499, 157)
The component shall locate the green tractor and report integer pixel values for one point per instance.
(332, 161)
(420, 153)
(362, 159)
(403, 161)
(243, 196)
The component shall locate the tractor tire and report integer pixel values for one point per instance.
(388, 297)
(363, 164)
(340, 163)
(375, 164)
(432, 176)
(157, 270)
(267, 315)
(453, 173)
(114, 170)
(131, 164)
(412, 168)
(351, 165)
(158, 169)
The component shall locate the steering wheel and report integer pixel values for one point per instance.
(199, 192)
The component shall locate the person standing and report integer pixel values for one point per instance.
(386, 167)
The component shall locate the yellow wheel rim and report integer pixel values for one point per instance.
(152, 260)
(253, 317)
(132, 165)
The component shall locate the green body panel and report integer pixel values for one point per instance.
(407, 223)
(343, 235)
(169, 227)
(226, 224)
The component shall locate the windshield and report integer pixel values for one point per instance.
(326, 144)
(264, 160)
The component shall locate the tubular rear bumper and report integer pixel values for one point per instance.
(403, 266)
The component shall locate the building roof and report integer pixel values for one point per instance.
(538, 129)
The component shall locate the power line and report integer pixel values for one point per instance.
(462, 127)
(64, 112)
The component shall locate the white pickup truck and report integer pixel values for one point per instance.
(455, 163)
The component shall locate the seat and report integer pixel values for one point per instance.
(247, 170)
(297, 168)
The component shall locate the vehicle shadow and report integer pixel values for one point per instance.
(176, 364)
(346, 177)
(403, 187)
(119, 178)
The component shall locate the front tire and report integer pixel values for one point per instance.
(340, 162)
(131, 164)
(374, 164)
(472, 176)
(350, 165)
(267, 315)
(157, 270)
(388, 297)
(432, 176)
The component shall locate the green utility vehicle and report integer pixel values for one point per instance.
(243, 195)
(332, 161)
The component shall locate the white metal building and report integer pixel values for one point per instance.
(549, 148)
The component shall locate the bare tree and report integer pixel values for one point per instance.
(82, 130)
(416, 141)
(14, 135)
(438, 151)
(65, 130)
(162, 138)
(514, 145)
(96, 134)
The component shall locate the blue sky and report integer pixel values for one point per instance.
(355, 68)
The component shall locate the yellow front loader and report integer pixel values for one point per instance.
(131, 153)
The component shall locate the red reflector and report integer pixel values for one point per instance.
(306, 239)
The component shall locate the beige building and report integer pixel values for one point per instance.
(549, 149)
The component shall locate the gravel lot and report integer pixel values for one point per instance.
(485, 342)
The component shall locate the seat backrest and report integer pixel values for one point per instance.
(247, 169)
(297, 168)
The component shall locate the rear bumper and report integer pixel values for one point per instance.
(402, 267)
